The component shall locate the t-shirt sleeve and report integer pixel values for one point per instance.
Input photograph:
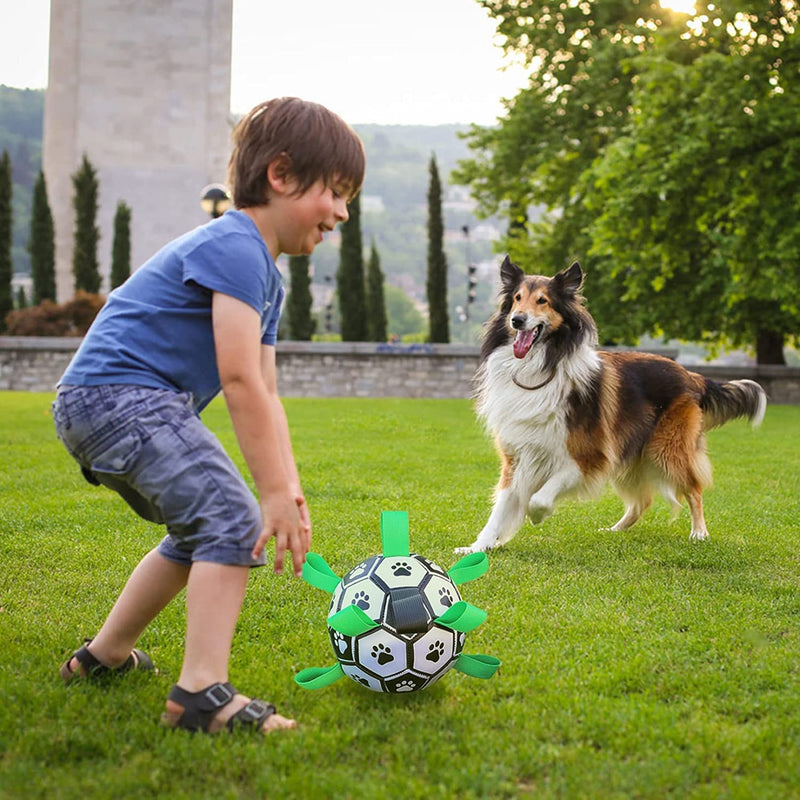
(270, 335)
(233, 265)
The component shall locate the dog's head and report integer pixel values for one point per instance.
(537, 311)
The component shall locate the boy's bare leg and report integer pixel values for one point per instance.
(214, 594)
(154, 582)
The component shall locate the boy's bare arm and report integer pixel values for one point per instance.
(269, 375)
(257, 418)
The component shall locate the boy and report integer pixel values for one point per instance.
(201, 315)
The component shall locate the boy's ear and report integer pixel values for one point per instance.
(279, 174)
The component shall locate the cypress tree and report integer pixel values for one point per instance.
(87, 234)
(376, 320)
(22, 301)
(6, 266)
(350, 277)
(438, 322)
(121, 246)
(41, 245)
(298, 304)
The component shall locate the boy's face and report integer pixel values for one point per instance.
(311, 214)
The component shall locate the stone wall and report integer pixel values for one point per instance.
(351, 370)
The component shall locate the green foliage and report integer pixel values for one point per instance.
(635, 664)
(6, 267)
(84, 254)
(350, 284)
(436, 285)
(376, 304)
(665, 149)
(21, 115)
(121, 246)
(22, 300)
(404, 318)
(42, 245)
(298, 303)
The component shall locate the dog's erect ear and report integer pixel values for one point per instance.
(510, 274)
(570, 279)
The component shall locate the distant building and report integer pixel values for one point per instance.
(143, 89)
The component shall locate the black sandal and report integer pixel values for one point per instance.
(137, 660)
(200, 708)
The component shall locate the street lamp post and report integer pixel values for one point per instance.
(215, 200)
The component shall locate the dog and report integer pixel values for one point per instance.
(567, 418)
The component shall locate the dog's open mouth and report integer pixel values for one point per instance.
(525, 339)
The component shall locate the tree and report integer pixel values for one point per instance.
(350, 277)
(87, 234)
(404, 318)
(41, 244)
(645, 124)
(6, 267)
(376, 318)
(436, 285)
(121, 246)
(22, 301)
(298, 304)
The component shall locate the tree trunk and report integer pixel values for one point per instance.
(769, 347)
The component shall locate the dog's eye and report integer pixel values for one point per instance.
(541, 301)
(518, 296)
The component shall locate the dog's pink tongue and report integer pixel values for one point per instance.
(523, 343)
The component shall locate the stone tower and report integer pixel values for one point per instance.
(142, 87)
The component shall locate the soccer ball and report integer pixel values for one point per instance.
(396, 621)
(407, 650)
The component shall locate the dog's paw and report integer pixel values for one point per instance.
(538, 512)
(473, 548)
(699, 535)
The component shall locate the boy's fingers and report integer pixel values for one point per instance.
(280, 551)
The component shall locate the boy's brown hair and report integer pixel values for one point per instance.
(314, 142)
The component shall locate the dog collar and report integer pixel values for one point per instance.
(532, 388)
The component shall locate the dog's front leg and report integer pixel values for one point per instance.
(542, 502)
(505, 520)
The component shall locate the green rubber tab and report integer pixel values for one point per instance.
(470, 567)
(318, 677)
(317, 572)
(477, 666)
(394, 533)
(462, 617)
(351, 621)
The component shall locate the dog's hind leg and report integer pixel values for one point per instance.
(634, 508)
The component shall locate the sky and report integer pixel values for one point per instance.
(414, 62)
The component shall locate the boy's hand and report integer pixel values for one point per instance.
(282, 519)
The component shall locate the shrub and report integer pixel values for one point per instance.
(72, 318)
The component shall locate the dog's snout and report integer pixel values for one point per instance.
(518, 321)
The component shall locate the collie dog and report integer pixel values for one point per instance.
(567, 418)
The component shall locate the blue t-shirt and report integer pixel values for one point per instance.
(155, 330)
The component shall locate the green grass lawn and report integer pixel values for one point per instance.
(635, 664)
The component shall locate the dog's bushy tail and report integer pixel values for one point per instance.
(722, 402)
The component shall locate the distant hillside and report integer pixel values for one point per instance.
(394, 197)
(21, 114)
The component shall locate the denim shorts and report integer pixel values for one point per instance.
(150, 447)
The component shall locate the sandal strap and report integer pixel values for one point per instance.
(253, 715)
(200, 708)
(137, 660)
(89, 663)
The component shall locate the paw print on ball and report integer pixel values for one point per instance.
(401, 569)
(435, 651)
(382, 654)
(361, 599)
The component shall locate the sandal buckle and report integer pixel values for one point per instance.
(219, 695)
(256, 709)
